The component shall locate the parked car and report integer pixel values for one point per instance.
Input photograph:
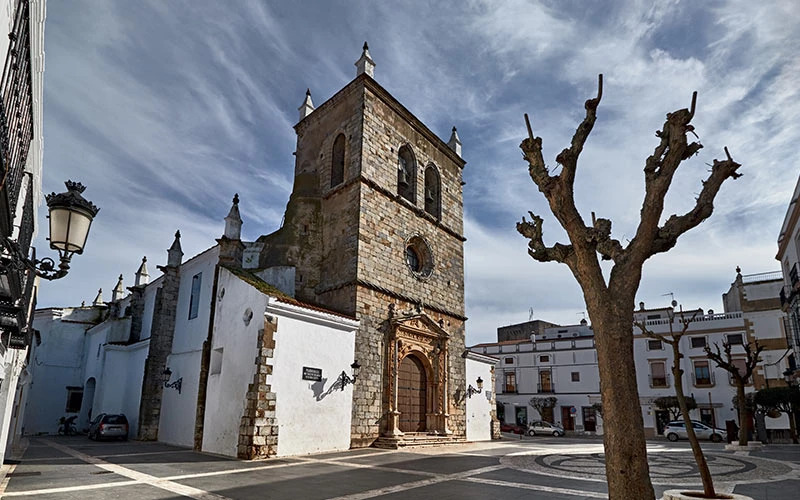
(106, 425)
(543, 428)
(677, 430)
(515, 428)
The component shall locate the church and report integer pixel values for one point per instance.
(344, 328)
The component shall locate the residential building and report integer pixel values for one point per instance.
(789, 257)
(20, 194)
(562, 361)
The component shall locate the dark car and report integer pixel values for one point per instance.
(516, 429)
(107, 425)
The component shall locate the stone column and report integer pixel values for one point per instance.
(393, 426)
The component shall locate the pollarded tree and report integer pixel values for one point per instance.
(539, 404)
(741, 375)
(611, 302)
(670, 404)
(785, 399)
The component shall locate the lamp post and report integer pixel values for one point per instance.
(471, 391)
(71, 218)
(167, 374)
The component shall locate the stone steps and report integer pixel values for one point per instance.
(416, 440)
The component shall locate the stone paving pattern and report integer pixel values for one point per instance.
(531, 468)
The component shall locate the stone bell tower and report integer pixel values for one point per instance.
(374, 229)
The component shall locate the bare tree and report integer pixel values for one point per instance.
(674, 341)
(670, 404)
(539, 404)
(725, 360)
(611, 303)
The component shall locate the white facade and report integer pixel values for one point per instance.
(479, 406)
(563, 362)
(789, 257)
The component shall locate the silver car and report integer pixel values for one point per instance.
(677, 430)
(543, 428)
(109, 426)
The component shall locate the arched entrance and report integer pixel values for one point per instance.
(411, 394)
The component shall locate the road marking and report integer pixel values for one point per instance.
(137, 477)
(67, 489)
(538, 487)
(440, 478)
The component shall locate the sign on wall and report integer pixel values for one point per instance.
(313, 374)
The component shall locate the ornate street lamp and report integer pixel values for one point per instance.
(471, 391)
(71, 218)
(346, 379)
(167, 374)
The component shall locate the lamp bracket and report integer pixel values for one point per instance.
(14, 258)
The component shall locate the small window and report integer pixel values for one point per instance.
(735, 338)
(653, 316)
(433, 192)
(576, 376)
(215, 367)
(509, 361)
(337, 161)
(698, 342)
(74, 400)
(194, 300)
(658, 374)
(544, 359)
(702, 374)
(406, 174)
(654, 345)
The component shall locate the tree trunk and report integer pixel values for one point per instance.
(792, 427)
(743, 420)
(699, 457)
(627, 470)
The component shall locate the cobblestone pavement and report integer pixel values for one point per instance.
(536, 468)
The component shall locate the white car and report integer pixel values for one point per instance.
(543, 428)
(677, 430)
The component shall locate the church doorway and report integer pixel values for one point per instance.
(411, 394)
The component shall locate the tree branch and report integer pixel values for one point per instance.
(600, 235)
(536, 247)
(532, 153)
(568, 158)
(667, 235)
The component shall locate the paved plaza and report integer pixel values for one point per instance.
(537, 468)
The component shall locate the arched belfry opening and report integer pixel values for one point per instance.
(417, 377)
(406, 174)
(433, 192)
(337, 161)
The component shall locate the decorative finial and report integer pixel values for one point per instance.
(175, 253)
(365, 64)
(233, 221)
(142, 276)
(236, 199)
(738, 270)
(98, 300)
(455, 142)
(307, 107)
(118, 291)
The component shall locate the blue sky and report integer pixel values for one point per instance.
(166, 108)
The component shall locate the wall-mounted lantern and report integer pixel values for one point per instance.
(471, 391)
(346, 379)
(167, 374)
(71, 218)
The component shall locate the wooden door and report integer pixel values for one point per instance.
(589, 419)
(546, 385)
(411, 394)
(566, 419)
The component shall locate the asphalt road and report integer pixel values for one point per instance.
(531, 468)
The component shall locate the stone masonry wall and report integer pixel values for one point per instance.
(258, 432)
(162, 332)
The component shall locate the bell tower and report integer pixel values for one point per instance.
(374, 229)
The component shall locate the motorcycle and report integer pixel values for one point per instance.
(67, 427)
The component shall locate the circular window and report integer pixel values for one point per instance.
(419, 257)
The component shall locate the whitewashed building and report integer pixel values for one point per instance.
(276, 376)
(562, 361)
(789, 257)
(20, 196)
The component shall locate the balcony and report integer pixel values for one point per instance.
(509, 389)
(659, 382)
(546, 388)
(793, 276)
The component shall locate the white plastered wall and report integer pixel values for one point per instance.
(479, 406)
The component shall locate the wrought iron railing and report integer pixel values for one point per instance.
(546, 388)
(16, 108)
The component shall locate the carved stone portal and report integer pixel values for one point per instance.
(426, 343)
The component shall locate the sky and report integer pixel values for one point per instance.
(165, 109)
